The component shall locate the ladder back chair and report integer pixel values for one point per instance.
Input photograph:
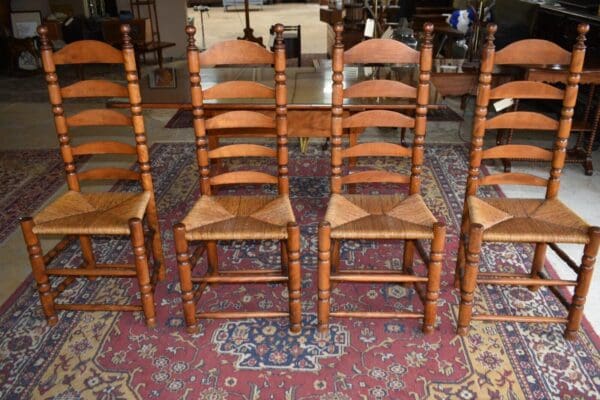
(230, 217)
(81, 215)
(377, 216)
(540, 221)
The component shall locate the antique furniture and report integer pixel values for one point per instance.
(239, 217)
(151, 42)
(544, 222)
(292, 37)
(373, 216)
(81, 215)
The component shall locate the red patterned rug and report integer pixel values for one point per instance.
(111, 355)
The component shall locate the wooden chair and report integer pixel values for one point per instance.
(544, 222)
(376, 216)
(81, 215)
(234, 217)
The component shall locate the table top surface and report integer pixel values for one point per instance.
(307, 87)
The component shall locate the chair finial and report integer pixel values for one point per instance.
(190, 30)
(125, 31)
(428, 29)
(491, 31)
(582, 30)
(338, 29)
(43, 32)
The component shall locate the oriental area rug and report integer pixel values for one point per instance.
(108, 355)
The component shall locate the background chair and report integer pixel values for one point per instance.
(544, 222)
(377, 216)
(82, 215)
(234, 217)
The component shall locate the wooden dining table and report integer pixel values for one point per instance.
(308, 93)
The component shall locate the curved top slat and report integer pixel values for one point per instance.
(238, 90)
(99, 117)
(521, 53)
(522, 120)
(517, 151)
(526, 90)
(242, 150)
(94, 88)
(240, 119)
(380, 118)
(88, 52)
(381, 51)
(236, 52)
(380, 88)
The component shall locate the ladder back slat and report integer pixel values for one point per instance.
(377, 149)
(239, 90)
(517, 151)
(513, 178)
(94, 88)
(240, 119)
(88, 52)
(242, 150)
(375, 177)
(532, 52)
(522, 120)
(384, 51)
(380, 88)
(96, 117)
(235, 52)
(104, 147)
(526, 90)
(379, 118)
(243, 177)
(108, 173)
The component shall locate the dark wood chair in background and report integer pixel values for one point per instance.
(234, 217)
(377, 216)
(544, 222)
(292, 37)
(81, 215)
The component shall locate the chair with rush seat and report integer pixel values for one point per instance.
(81, 215)
(544, 222)
(374, 216)
(230, 217)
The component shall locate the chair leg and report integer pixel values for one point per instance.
(434, 276)
(538, 263)
(408, 258)
(469, 280)
(212, 256)
(284, 257)
(142, 270)
(294, 277)
(460, 257)
(157, 250)
(584, 279)
(36, 258)
(335, 255)
(185, 277)
(87, 250)
(324, 272)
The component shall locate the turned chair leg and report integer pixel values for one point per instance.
(36, 258)
(185, 278)
(460, 257)
(584, 279)
(434, 277)
(539, 258)
(212, 256)
(157, 250)
(324, 272)
(469, 280)
(142, 271)
(294, 277)
(408, 258)
(87, 251)
(284, 257)
(335, 255)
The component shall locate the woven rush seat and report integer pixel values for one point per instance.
(379, 217)
(76, 213)
(527, 220)
(239, 218)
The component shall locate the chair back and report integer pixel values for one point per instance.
(381, 51)
(524, 52)
(239, 52)
(96, 52)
